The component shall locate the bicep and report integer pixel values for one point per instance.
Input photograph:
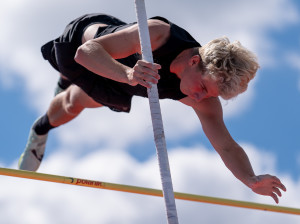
(216, 131)
(210, 114)
(126, 42)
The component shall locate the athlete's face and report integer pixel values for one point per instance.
(197, 85)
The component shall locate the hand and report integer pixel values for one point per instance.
(268, 185)
(144, 73)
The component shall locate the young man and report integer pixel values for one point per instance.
(98, 57)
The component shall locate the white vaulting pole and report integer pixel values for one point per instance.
(157, 123)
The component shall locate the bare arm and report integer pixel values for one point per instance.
(234, 157)
(98, 55)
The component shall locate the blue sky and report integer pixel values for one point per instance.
(265, 120)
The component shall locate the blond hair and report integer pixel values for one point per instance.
(230, 64)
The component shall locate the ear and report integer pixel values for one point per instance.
(194, 60)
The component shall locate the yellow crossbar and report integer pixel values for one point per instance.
(145, 191)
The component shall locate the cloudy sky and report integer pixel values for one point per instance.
(119, 148)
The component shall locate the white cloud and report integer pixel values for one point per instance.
(109, 128)
(195, 170)
(236, 106)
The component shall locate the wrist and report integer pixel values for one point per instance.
(129, 79)
(252, 181)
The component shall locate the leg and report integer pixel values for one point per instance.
(64, 107)
(68, 104)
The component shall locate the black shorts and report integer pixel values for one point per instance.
(74, 31)
(60, 54)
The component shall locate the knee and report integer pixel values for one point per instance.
(72, 105)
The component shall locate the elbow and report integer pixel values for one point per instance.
(84, 51)
(80, 54)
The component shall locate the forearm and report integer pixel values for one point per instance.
(95, 58)
(238, 163)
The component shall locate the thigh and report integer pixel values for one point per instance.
(78, 97)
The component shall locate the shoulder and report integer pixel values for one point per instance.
(159, 29)
(170, 31)
(208, 107)
(159, 24)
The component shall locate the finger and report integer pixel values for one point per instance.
(148, 71)
(274, 196)
(146, 64)
(279, 185)
(144, 83)
(146, 77)
(277, 191)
